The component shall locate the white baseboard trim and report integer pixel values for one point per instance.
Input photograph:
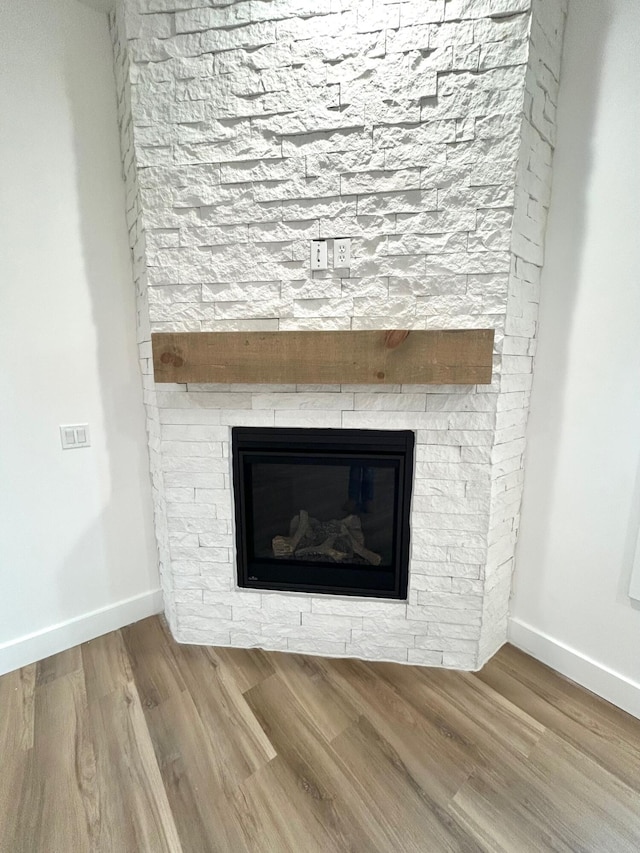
(49, 641)
(600, 679)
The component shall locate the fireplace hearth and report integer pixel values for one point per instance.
(323, 510)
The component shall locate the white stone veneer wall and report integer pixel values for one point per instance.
(531, 205)
(259, 125)
(143, 326)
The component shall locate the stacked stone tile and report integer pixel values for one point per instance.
(139, 266)
(423, 130)
(531, 203)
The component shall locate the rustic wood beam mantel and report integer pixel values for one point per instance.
(457, 357)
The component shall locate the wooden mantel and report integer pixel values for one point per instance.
(458, 357)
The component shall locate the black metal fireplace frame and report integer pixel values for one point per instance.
(392, 445)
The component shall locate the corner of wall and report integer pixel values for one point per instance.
(137, 243)
(531, 206)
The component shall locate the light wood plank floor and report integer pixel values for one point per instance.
(134, 744)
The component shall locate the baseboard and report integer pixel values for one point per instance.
(33, 647)
(600, 679)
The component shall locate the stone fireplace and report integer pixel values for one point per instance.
(424, 132)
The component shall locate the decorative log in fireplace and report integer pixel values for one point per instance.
(339, 539)
(456, 357)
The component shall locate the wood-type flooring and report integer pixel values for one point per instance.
(132, 743)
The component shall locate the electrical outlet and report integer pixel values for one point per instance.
(74, 436)
(319, 255)
(342, 253)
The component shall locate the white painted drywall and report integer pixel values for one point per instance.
(75, 526)
(634, 585)
(581, 505)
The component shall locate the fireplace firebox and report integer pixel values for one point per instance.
(323, 510)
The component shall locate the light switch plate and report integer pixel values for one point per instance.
(319, 259)
(74, 436)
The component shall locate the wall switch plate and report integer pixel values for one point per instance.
(342, 252)
(319, 260)
(74, 436)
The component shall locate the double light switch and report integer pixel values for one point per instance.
(73, 436)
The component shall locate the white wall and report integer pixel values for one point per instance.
(581, 506)
(76, 526)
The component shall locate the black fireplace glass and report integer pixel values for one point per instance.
(323, 510)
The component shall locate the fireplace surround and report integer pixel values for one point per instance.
(323, 510)
(423, 131)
